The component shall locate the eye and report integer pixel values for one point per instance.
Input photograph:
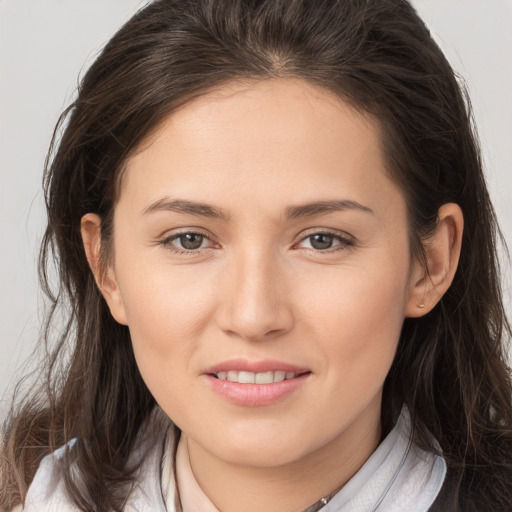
(192, 242)
(328, 242)
(188, 242)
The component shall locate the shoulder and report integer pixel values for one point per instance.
(48, 493)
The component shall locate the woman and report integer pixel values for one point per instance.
(273, 231)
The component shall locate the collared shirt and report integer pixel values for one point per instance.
(398, 477)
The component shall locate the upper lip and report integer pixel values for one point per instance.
(263, 366)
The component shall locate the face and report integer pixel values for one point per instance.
(258, 238)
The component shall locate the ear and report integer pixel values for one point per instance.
(442, 251)
(105, 276)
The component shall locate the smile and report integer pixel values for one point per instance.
(255, 383)
(243, 377)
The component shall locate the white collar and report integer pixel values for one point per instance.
(398, 477)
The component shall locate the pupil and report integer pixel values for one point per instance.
(191, 241)
(321, 241)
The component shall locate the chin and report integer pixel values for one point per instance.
(264, 451)
(262, 457)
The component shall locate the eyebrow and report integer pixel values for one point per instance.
(184, 206)
(291, 212)
(323, 207)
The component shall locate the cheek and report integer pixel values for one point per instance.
(356, 316)
(166, 313)
(165, 317)
(356, 327)
(163, 302)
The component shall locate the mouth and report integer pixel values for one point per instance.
(245, 377)
(256, 383)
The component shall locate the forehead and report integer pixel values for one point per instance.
(260, 102)
(282, 138)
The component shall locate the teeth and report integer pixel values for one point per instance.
(255, 378)
(232, 376)
(279, 376)
(246, 377)
(264, 378)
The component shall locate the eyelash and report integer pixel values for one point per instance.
(345, 242)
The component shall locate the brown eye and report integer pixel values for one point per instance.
(321, 241)
(188, 243)
(327, 242)
(191, 241)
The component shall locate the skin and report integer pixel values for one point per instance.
(260, 288)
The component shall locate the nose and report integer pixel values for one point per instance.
(254, 304)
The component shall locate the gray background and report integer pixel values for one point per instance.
(46, 44)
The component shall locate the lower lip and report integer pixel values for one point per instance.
(256, 395)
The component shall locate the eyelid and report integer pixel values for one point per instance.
(326, 231)
(166, 240)
(346, 239)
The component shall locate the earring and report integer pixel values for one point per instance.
(421, 306)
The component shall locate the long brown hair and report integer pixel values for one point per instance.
(376, 54)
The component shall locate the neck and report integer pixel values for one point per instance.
(290, 487)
